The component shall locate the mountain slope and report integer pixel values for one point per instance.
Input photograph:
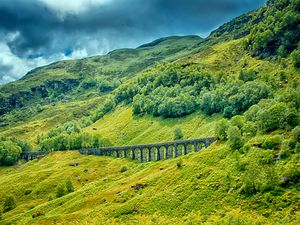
(204, 190)
(187, 85)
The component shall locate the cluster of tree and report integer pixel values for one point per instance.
(74, 141)
(175, 92)
(11, 149)
(108, 105)
(277, 30)
(266, 116)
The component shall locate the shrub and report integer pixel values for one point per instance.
(285, 151)
(238, 121)
(251, 179)
(235, 139)
(61, 190)
(69, 186)
(221, 130)
(123, 169)
(249, 129)
(9, 203)
(247, 75)
(271, 179)
(9, 153)
(273, 142)
(178, 133)
(273, 117)
(296, 58)
(296, 134)
(179, 163)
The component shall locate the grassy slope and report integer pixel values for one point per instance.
(122, 127)
(196, 193)
(228, 57)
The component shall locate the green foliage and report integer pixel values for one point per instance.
(9, 203)
(61, 190)
(296, 58)
(296, 134)
(108, 105)
(73, 142)
(273, 142)
(221, 129)
(178, 133)
(249, 129)
(235, 139)
(69, 186)
(9, 153)
(251, 179)
(247, 75)
(276, 31)
(275, 116)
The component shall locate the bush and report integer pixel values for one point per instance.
(179, 163)
(221, 130)
(235, 139)
(249, 129)
(69, 186)
(296, 134)
(123, 169)
(273, 117)
(271, 179)
(251, 179)
(9, 203)
(273, 142)
(296, 58)
(9, 153)
(178, 133)
(247, 75)
(61, 190)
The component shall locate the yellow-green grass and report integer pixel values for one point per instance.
(121, 127)
(205, 190)
(51, 116)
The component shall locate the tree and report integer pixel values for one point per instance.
(221, 129)
(235, 139)
(69, 186)
(178, 133)
(273, 117)
(247, 75)
(61, 190)
(9, 203)
(296, 58)
(9, 153)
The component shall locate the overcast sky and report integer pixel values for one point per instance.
(37, 32)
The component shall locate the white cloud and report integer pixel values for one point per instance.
(73, 6)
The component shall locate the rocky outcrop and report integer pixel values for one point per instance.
(20, 99)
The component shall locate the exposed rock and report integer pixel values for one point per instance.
(74, 164)
(37, 214)
(138, 186)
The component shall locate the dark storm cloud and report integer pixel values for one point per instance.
(39, 30)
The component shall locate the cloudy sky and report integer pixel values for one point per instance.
(37, 32)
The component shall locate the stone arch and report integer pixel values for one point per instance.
(144, 154)
(170, 151)
(136, 154)
(153, 153)
(200, 145)
(190, 148)
(179, 150)
(161, 152)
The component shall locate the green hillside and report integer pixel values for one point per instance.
(240, 84)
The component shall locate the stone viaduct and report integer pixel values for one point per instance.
(143, 153)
